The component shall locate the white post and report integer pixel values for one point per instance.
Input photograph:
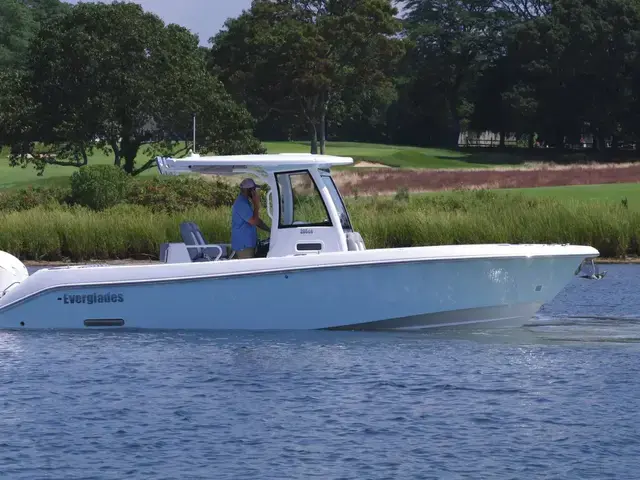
(194, 133)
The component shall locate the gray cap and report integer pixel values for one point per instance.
(248, 183)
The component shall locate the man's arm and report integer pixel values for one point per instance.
(255, 219)
(249, 216)
(262, 225)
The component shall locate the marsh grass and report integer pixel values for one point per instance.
(126, 231)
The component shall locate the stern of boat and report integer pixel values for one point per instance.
(12, 273)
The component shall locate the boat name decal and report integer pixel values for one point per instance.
(306, 231)
(91, 298)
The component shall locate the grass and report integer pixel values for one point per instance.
(124, 232)
(394, 156)
(390, 155)
(612, 192)
(608, 194)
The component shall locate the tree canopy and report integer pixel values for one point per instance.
(113, 76)
(419, 72)
(299, 58)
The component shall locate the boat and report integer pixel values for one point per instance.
(313, 272)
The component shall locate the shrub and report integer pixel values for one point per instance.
(99, 186)
(31, 197)
(179, 194)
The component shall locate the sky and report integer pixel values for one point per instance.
(203, 17)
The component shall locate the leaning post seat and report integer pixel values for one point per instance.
(199, 249)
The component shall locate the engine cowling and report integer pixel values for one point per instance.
(12, 272)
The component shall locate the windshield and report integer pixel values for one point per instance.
(337, 200)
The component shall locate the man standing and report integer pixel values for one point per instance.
(245, 219)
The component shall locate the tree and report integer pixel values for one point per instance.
(113, 77)
(298, 58)
(573, 68)
(454, 42)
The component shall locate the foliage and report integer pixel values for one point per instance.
(31, 197)
(19, 20)
(179, 194)
(299, 58)
(16, 27)
(99, 186)
(16, 110)
(112, 76)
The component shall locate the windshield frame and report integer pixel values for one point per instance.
(336, 197)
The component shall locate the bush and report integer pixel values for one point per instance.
(31, 197)
(103, 186)
(179, 194)
(99, 186)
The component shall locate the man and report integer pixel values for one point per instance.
(245, 219)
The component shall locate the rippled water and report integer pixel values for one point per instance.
(559, 398)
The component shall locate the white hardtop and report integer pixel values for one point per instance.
(290, 178)
(236, 164)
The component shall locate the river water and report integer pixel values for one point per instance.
(559, 398)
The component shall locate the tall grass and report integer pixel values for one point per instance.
(126, 231)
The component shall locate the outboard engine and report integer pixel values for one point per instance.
(12, 272)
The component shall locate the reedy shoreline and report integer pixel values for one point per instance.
(133, 233)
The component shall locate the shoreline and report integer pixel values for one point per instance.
(132, 261)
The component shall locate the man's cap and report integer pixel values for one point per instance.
(248, 183)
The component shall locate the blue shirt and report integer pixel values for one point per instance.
(243, 234)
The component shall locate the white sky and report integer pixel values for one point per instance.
(203, 17)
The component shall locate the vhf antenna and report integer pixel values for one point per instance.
(194, 132)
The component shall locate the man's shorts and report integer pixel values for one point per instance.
(246, 253)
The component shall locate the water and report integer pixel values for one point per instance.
(559, 398)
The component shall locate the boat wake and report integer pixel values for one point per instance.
(587, 329)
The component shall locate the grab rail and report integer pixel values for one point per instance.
(208, 246)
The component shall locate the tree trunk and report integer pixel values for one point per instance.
(314, 138)
(323, 136)
(129, 151)
(116, 153)
(454, 140)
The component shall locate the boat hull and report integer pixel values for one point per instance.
(385, 295)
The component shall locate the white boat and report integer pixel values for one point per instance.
(314, 271)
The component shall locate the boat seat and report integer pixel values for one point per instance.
(199, 249)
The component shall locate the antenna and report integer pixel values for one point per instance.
(194, 132)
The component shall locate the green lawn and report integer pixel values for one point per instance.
(395, 156)
(11, 177)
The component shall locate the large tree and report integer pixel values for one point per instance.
(299, 59)
(112, 76)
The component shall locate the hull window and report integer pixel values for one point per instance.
(104, 322)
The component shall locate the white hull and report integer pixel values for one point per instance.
(422, 287)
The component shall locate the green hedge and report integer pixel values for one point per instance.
(100, 187)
